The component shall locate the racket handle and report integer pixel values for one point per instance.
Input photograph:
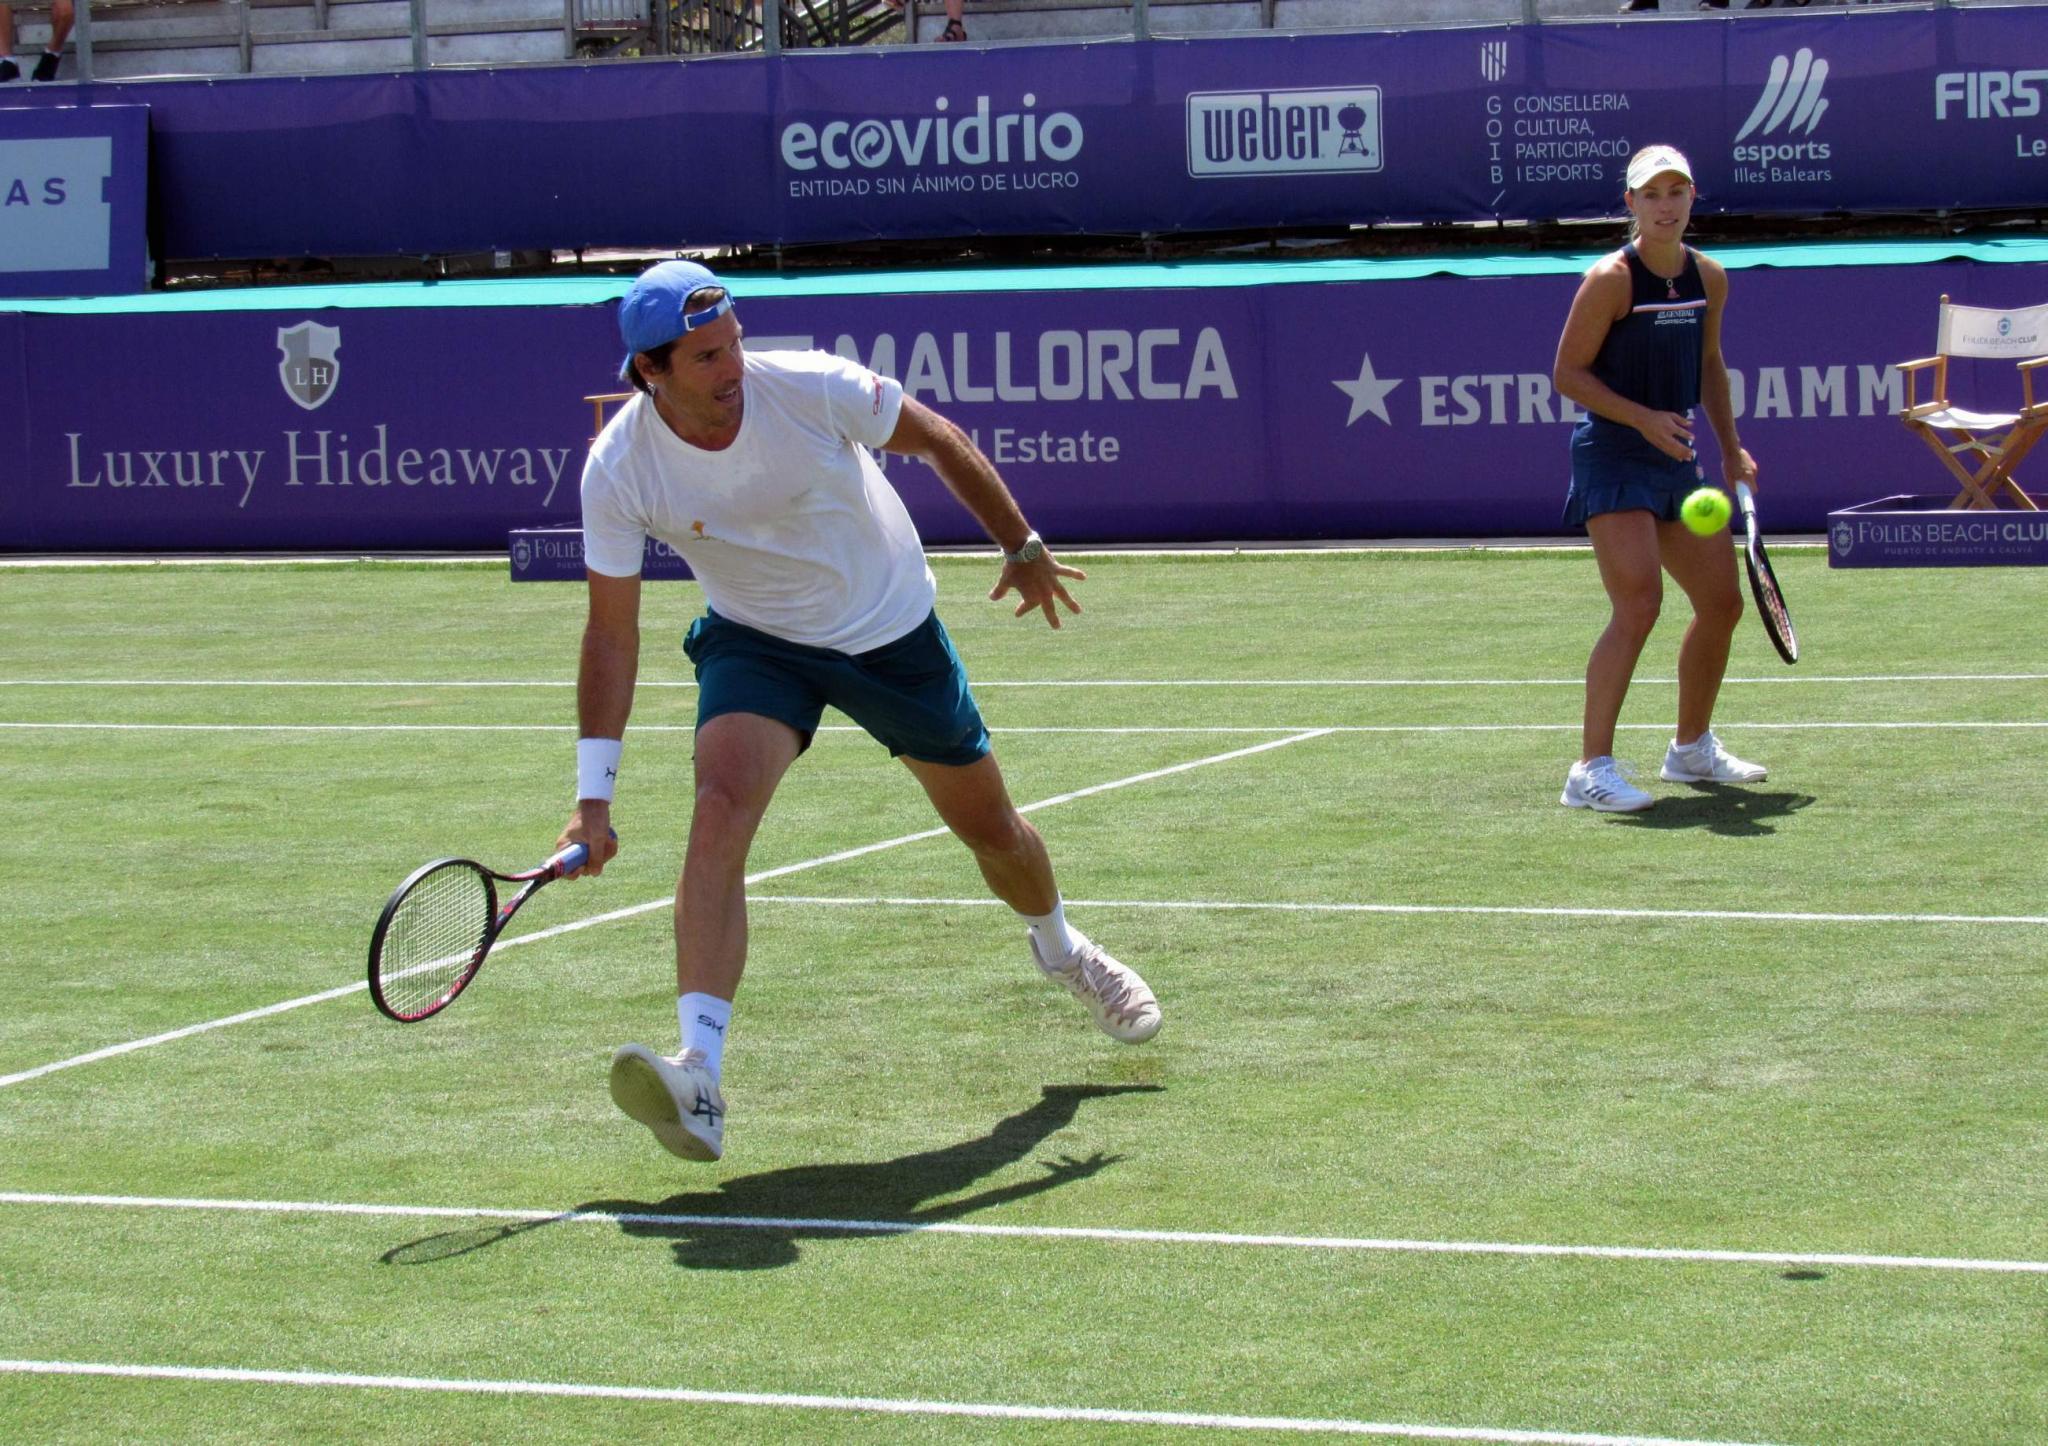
(1742, 497)
(571, 858)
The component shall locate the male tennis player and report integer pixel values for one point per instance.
(758, 468)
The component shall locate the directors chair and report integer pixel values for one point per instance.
(1997, 441)
(597, 405)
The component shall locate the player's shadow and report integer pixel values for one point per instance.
(754, 1222)
(1719, 808)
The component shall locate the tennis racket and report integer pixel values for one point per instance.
(1763, 583)
(440, 923)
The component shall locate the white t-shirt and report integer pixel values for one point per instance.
(792, 529)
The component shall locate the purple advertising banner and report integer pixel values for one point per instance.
(335, 429)
(1929, 531)
(1842, 111)
(555, 554)
(74, 184)
(1272, 402)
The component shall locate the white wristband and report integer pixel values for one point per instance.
(597, 767)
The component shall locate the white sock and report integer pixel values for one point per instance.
(1057, 940)
(704, 1018)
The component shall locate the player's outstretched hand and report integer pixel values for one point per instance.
(1038, 585)
(591, 820)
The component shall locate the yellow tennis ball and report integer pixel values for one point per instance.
(1706, 511)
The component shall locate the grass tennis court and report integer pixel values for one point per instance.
(1752, 1084)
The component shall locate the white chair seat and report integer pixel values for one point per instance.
(1962, 419)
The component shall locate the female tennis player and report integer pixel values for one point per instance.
(1641, 349)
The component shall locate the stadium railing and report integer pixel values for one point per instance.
(132, 39)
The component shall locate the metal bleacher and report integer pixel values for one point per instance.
(997, 20)
(134, 39)
(129, 39)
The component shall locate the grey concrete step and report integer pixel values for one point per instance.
(345, 18)
(230, 37)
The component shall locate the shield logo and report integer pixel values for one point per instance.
(522, 556)
(306, 362)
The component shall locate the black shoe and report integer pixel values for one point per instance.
(1639, 5)
(1713, 4)
(46, 67)
(9, 71)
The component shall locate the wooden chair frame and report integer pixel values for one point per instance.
(2000, 439)
(598, 402)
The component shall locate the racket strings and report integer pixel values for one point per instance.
(1778, 617)
(432, 940)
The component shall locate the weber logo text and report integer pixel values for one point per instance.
(1284, 132)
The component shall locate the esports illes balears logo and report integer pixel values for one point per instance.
(1779, 129)
(307, 364)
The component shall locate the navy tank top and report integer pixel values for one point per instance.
(1652, 355)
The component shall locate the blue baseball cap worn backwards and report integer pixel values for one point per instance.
(653, 312)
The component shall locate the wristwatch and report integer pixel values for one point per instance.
(1030, 550)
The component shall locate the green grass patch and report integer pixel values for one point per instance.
(1408, 997)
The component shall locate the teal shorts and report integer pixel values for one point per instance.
(910, 695)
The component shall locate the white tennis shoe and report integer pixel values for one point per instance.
(1603, 784)
(676, 1098)
(1123, 1005)
(1704, 760)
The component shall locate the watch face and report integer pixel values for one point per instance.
(1031, 551)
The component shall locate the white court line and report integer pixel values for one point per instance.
(628, 912)
(880, 1405)
(1777, 916)
(1577, 682)
(1106, 1234)
(1963, 724)
(1768, 916)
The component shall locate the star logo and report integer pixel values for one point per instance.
(1368, 393)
